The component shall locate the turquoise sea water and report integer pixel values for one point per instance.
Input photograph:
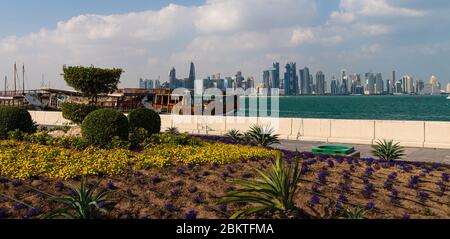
(423, 108)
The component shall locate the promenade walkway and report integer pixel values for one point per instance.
(412, 154)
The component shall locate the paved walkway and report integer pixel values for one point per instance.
(412, 154)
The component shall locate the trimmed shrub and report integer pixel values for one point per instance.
(145, 119)
(100, 127)
(12, 119)
(77, 112)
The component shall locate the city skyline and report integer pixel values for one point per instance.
(147, 38)
(373, 83)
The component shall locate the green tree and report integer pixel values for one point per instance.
(92, 81)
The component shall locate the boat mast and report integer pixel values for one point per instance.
(6, 80)
(23, 78)
(15, 78)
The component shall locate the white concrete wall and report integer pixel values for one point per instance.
(408, 133)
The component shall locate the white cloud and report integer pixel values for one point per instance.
(221, 35)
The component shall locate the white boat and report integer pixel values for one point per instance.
(448, 98)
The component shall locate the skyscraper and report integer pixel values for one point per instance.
(334, 86)
(344, 89)
(275, 75)
(291, 79)
(379, 84)
(266, 79)
(305, 82)
(173, 79)
(239, 80)
(191, 80)
(370, 84)
(320, 83)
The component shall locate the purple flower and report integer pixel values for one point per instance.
(314, 200)
(111, 186)
(350, 160)
(393, 176)
(33, 212)
(445, 177)
(370, 205)
(247, 175)
(59, 185)
(193, 189)
(423, 196)
(225, 174)
(345, 187)
(180, 170)
(311, 162)
(330, 163)
(315, 188)
(4, 180)
(156, 180)
(3, 214)
(368, 190)
(223, 208)
(102, 204)
(394, 197)
(442, 187)
(339, 206)
(191, 215)
(230, 169)
(198, 199)
(18, 206)
(368, 171)
(407, 168)
(413, 182)
(304, 169)
(191, 167)
(406, 216)
(339, 159)
(169, 207)
(175, 193)
(343, 198)
(138, 174)
(353, 169)
(146, 217)
(72, 192)
(323, 176)
(346, 176)
(369, 161)
(16, 183)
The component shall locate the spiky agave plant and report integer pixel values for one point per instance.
(387, 150)
(83, 203)
(353, 213)
(172, 130)
(273, 192)
(234, 135)
(263, 136)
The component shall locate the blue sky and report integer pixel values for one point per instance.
(147, 38)
(24, 16)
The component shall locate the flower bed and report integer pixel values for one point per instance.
(19, 160)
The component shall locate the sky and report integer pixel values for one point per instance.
(148, 38)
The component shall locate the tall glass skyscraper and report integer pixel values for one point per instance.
(320, 83)
(291, 79)
(305, 82)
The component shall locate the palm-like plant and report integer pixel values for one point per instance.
(82, 203)
(387, 150)
(235, 135)
(262, 136)
(274, 192)
(172, 130)
(353, 214)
